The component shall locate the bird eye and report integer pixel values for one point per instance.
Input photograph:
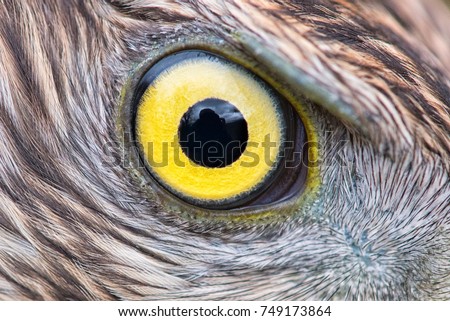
(215, 135)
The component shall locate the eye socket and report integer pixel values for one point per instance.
(217, 136)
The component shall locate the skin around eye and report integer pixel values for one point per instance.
(209, 131)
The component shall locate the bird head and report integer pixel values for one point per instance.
(357, 92)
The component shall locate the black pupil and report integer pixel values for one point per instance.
(213, 133)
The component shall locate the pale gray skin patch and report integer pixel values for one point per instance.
(74, 227)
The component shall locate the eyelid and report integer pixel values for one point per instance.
(340, 98)
(296, 78)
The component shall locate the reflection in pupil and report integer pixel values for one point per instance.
(213, 133)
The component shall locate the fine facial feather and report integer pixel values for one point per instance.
(375, 77)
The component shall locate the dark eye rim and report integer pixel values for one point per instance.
(133, 162)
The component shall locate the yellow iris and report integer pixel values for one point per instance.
(168, 98)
